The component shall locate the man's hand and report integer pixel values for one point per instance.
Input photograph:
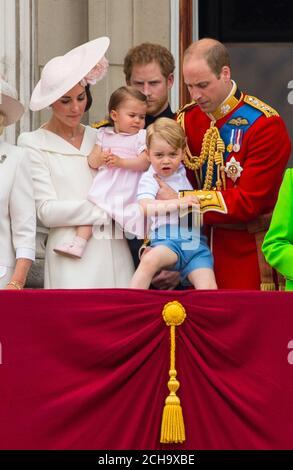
(167, 280)
(165, 192)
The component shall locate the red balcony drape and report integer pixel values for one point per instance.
(88, 369)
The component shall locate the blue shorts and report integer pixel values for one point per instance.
(190, 246)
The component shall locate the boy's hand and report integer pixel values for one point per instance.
(189, 201)
(165, 192)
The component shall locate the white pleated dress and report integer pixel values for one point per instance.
(62, 178)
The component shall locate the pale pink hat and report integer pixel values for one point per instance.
(9, 104)
(85, 64)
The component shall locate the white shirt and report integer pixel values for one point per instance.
(148, 189)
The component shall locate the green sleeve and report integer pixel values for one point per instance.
(278, 243)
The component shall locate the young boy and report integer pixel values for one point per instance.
(173, 245)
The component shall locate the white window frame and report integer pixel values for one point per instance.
(26, 55)
(16, 54)
(8, 51)
(174, 45)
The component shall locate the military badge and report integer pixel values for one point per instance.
(3, 158)
(233, 169)
(238, 121)
(225, 108)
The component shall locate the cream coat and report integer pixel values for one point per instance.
(62, 179)
(17, 209)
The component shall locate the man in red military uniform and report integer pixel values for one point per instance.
(239, 146)
(257, 149)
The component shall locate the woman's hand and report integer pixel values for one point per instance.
(113, 161)
(98, 157)
(104, 156)
(14, 285)
(19, 275)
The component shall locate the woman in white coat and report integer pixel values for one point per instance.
(17, 206)
(62, 177)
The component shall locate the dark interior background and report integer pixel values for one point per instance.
(259, 36)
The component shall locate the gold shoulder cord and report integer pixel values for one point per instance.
(212, 151)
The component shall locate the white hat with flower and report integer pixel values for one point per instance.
(84, 64)
(9, 104)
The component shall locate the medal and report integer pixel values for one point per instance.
(230, 145)
(238, 140)
(233, 169)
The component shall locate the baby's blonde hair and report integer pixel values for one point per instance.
(168, 130)
(2, 122)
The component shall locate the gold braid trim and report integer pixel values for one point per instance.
(266, 109)
(212, 151)
(102, 123)
(184, 108)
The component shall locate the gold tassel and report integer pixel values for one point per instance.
(172, 428)
(267, 286)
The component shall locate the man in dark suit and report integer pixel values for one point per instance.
(150, 68)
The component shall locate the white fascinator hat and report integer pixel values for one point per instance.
(84, 64)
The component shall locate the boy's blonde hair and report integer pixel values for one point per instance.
(168, 130)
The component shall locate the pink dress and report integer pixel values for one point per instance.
(114, 189)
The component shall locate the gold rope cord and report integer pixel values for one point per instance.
(212, 151)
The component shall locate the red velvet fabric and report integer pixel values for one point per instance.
(89, 369)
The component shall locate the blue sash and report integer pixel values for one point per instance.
(245, 112)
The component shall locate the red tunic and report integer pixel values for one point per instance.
(263, 155)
